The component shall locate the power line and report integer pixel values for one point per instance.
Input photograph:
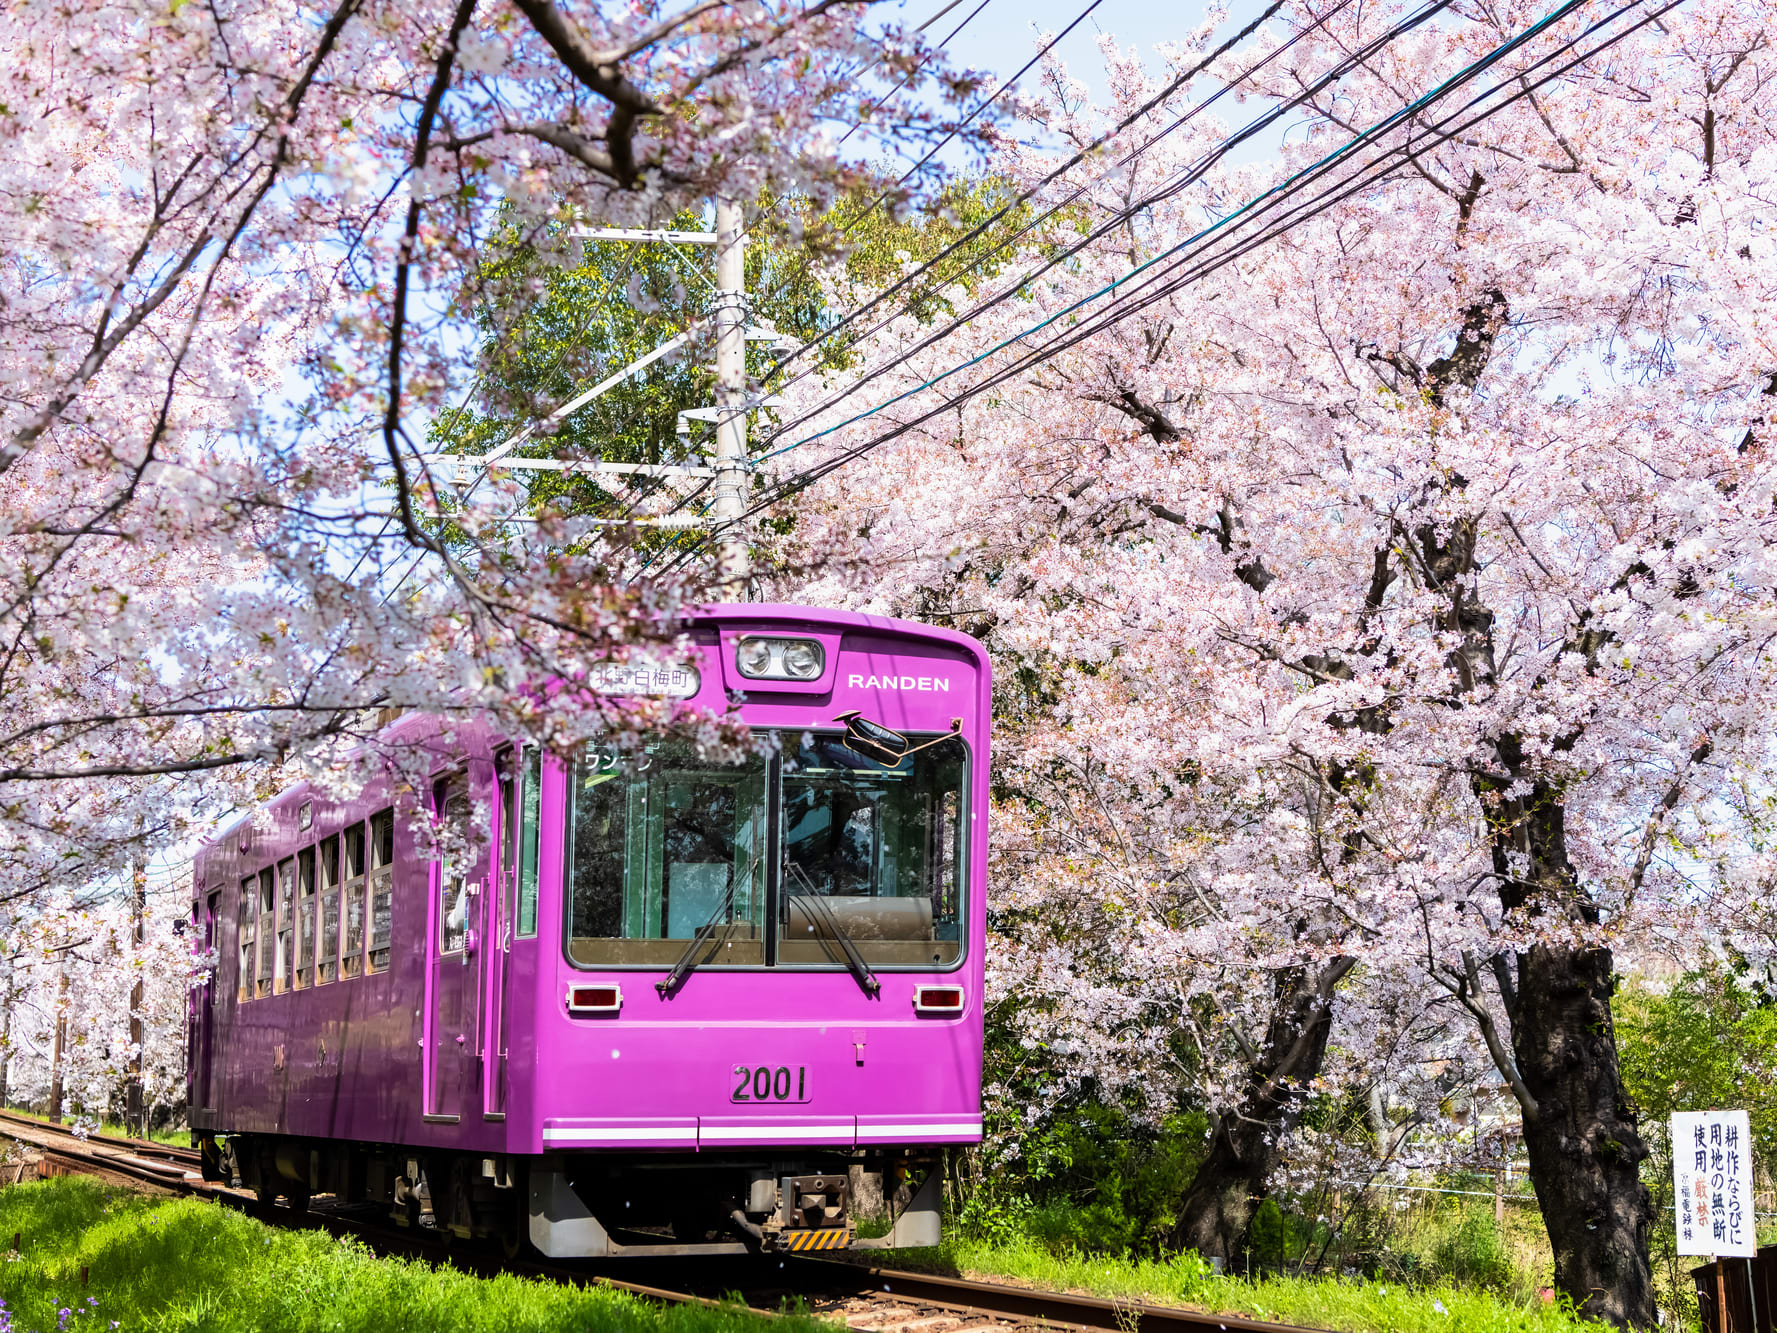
(1185, 176)
(1080, 155)
(1197, 169)
(1440, 132)
(987, 102)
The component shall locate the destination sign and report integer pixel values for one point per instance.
(669, 680)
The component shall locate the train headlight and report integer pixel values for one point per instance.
(754, 657)
(780, 659)
(802, 659)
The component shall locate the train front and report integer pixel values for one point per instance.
(766, 1016)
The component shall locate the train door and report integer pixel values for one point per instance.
(457, 878)
(206, 999)
(520, 808)
(497, 945)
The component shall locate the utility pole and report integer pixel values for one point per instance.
(134, 1113)
(6, 999)
(61, 1047)
(731, 398)
(727, 478)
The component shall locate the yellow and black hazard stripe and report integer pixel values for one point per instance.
(804, 1239)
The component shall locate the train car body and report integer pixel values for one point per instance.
(719, 999)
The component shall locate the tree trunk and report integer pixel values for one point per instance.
(1246, 1147)
(1585, 1148)
(1580, 1129)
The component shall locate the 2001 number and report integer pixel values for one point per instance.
(764, 1083)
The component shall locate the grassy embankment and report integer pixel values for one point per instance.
(158, 1266)
(185, 1265)
(1324, 1302)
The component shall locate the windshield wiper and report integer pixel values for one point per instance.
(688, 963)
(830, 919)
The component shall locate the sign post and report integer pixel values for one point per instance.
(1712, 1192)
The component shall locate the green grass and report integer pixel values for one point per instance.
(160, 1266)
(1325, 1302)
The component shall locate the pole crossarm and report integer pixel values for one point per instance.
(602, 387)
(479, 462)
(637, 234)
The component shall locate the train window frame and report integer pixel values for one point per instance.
(450, 941)
(284, 951)
(353, 892)
(327, 893)
(640, 897)
(379, 881)
(529, 775)
(967, 821)
(306, 902)
(246, 936)
(836, 961)
(266, 904)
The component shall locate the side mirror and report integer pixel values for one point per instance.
(872, 739)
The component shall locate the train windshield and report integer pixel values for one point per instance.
(866, 854)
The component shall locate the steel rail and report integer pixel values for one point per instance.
(140, 1147)
(969, 1303)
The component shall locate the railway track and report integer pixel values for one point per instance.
(864, 1299)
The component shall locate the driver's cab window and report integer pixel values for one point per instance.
(665, 846)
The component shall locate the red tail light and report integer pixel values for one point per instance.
(938, 999)
(594, 999)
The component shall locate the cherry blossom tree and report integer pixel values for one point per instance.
(71, 965)
(1392, 600)
(243, 240)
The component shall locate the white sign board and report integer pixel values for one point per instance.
(1712, 1183)
(666, 681)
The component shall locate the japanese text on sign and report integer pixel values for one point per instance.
(1712, 1182)
(669, 681)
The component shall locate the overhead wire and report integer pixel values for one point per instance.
(907, 78)
(1440, 132)
(1404, 152)
(1269, 198)
(630, 508)
(1156, 99)
(988, 101)
(1024, 196)
(1227, 145)
(1181, 178)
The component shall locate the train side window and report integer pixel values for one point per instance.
(267, 932)
(327, 960)
(246, 917)
(530, 806)
(451, 801)
(286, 964)
(382, 887)
(305, 915)
(351, 894)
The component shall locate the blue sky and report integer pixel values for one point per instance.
(1007, 33)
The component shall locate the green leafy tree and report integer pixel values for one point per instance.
(550, 329)
(1708, 1042)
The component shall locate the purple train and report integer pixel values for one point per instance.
(721, 1001)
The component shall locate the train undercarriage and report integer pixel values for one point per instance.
(592, 1205)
